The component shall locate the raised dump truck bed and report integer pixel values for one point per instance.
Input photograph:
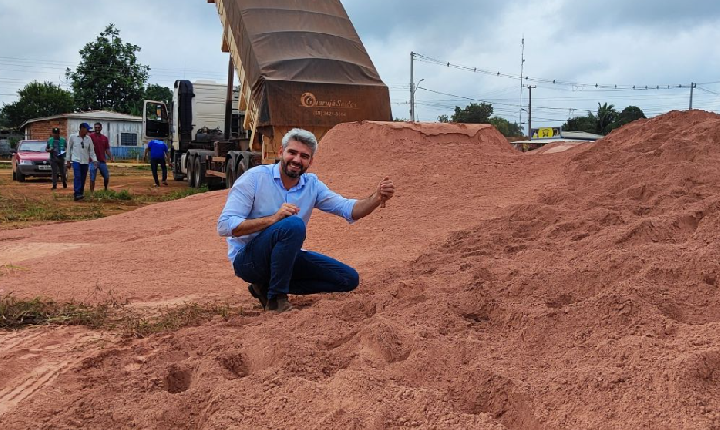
(300, 63)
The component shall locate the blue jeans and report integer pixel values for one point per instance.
(275, 258)
(102, 167)
(154, 162)
(79, 176)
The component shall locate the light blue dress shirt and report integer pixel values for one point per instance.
(260, 193)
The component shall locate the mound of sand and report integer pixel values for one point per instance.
(572, 290)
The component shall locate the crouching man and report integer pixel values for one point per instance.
(265, 218)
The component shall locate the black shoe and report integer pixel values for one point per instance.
(279, 304)
(53, 188)
(64, 185)
(259, 292)
(79, 198)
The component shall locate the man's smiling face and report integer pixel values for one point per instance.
(296, 159)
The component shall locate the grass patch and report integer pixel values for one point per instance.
(126, 196)
(112, 195)
(16, 313)
(23, 209)
(5, 165)
(110, 315)
(175, 318)
(30, 210)
(182, 193)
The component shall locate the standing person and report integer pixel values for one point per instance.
(158, 154)
(264, 220)
(57, 146)
(80, 152)
(102, 148)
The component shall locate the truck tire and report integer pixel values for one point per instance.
(241, 168)
(14, 177)
(199, 173)
(176, 170)
(191, 172)
(20, 176)
(229, 174)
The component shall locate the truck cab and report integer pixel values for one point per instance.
(201, 152)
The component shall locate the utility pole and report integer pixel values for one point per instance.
(530, 88)
(412, 88)
(229, 100)
(693, 85)
(522, 63)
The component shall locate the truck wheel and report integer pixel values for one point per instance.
(191, 173)
(199, 173)
(241, 168)
(14, 177)
(20, 176)
(229, 174)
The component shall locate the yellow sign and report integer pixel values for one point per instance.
(545, 132)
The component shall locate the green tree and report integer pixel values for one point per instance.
(507, 128)
(158, 93)
(152, 92)
(628, 115)
(606, 116)
(109, 75)
(473, 114)
(36, 100)
(443, 118)
(586, 123)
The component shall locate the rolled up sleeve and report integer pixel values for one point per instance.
(238, 205)
(334, 203)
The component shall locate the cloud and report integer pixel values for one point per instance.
(671, 15)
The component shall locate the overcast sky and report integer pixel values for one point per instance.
(614, 42)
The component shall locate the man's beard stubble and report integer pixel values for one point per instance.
(290, 174)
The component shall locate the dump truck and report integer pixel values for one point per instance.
(299, 63)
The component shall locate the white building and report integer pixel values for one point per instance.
(122, 130)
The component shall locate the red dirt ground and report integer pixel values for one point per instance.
(500, 290)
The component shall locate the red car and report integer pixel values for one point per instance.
(31, 159)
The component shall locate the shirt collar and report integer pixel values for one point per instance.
(276, 175)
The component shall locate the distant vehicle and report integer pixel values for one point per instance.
(6, 150)
(31, 159)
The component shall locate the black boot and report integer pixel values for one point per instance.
(259, 292)
(279, 304)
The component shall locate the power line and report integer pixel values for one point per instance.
(708, 91)
(579, 85)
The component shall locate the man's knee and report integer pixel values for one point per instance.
(292, 225)
(352, 279)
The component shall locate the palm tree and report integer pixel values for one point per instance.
(606, 115)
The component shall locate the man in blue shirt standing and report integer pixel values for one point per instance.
(265, 218)
(158, 154)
